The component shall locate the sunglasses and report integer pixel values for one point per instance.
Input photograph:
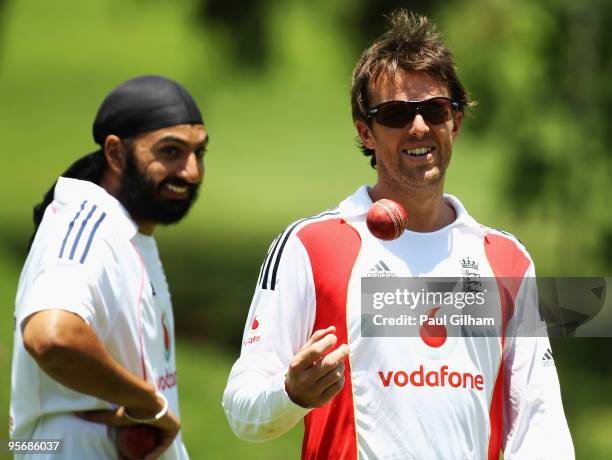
(397, 114)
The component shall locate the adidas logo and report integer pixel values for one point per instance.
(547, 359)
(380, 270)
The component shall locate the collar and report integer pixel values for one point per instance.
(70, 190)
(358, 205)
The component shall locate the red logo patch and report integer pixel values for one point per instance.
(166, 336)
(433, 334)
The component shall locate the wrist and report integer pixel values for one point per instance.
(148, 415)
(293, 397)
(145, 403)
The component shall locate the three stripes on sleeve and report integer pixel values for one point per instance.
(269, 269)
(81, 232)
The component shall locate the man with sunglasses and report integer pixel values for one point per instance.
(306, 353)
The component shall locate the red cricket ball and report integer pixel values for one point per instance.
(136, 441)
(387, 219)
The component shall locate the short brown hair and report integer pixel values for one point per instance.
(412, 44)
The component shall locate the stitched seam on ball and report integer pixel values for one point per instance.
(391, 212)
(397, 222)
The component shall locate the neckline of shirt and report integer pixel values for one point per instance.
(359, 203)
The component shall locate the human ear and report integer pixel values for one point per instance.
(114, 152)
(457, 119)
(365, 134)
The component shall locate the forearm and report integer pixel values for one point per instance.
(534, 407)
(257, 406)
(69, 351)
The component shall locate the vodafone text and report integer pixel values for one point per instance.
(166, 381)
(434, 378)
(251, 340)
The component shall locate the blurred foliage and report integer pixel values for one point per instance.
(367, 20)
(541, 75)
(540, 70)
(244, 24)
(273, 80)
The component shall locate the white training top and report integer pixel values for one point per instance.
(88, 258)
(403, 397)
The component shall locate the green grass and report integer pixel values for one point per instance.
(203, 372)
(8, 283)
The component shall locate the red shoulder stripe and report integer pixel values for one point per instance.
(332, 246)
(509, 265)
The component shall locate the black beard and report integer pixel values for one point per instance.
(141, 196)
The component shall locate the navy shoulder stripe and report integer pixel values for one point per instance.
(91, 237)
(86, 233)
(83, 224)
(270, 250)
(269, 270)
(70, 226)
(509, 234)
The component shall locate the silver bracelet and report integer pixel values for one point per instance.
(157, 416)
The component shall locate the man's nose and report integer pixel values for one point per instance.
(418, 128)
(193, 169)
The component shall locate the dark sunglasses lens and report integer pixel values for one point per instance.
(436, 111)
(396, 114)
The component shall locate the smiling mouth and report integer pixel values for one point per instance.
(418, 151)
(180, 189)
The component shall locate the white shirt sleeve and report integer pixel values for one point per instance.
(280, 321)
(535, 427)
(83, 289)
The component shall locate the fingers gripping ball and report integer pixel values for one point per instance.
(136, 441)
(387, 219)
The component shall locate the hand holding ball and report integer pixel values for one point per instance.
(135, 441)
(387, 219)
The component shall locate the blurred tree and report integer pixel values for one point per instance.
(363, 21)
(539, 68)
(564, 162)
(244, 21)
(540, 72)
(2, 21)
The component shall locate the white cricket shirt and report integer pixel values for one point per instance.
(88, 258)
(403, 397)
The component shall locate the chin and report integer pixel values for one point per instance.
(433, 177)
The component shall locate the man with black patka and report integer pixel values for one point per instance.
(94, 345)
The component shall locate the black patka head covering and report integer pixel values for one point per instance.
(144, 104)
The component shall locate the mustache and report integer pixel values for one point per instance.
(424, 140)
(179, 183)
